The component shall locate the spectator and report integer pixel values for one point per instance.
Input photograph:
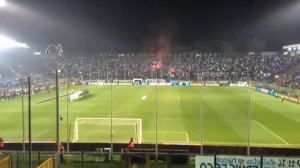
(1, 143)
(131, 144)
(61, 153)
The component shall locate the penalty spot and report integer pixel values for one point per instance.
(144, 97)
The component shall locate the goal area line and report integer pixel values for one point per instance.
(112, 122)
(184, 134)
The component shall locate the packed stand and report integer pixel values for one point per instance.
(213, 66)
(171, 67)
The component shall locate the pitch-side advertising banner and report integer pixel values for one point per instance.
(227, 162)
(246, 162)
(281, 162)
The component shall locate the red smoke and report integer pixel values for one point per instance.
(164, 43)
(172, 70)
(160, 39)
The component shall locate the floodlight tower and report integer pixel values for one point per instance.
(59, 52)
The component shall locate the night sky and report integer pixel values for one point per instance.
(142, 26)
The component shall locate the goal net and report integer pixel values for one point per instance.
(102, 129)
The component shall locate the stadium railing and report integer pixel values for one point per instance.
(97, 159)
(5, 162)
(20, 159)
(165, 157)
(48, 163)
(148, 159)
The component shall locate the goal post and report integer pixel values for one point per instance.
(132, 125)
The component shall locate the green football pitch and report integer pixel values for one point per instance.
(134, 110)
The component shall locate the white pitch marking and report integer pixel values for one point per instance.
(165, 132)
(241, 143)
(187, 137)
(271, 132)
(40, 134)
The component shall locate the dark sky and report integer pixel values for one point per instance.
(137, 25)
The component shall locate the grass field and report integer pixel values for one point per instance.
(273, 123)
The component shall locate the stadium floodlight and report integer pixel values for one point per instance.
(58, 48)
(6, 42)
(37, 53)
(59, 51)
(2, 3)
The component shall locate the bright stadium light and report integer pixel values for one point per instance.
(37, 53)
(6, 42)
(2, 3)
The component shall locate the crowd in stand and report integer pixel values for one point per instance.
(213, 66)
(176, 66)
(171, 67)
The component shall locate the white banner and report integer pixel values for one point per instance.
(227, 162)
(240, 84)
(223, 161)
(281, 162)
(204, 162)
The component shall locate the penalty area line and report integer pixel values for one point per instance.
(271, 132)
(40, 134)
(166, 132)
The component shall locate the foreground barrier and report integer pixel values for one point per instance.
(147, 158)
(5, 163)
(47, 164)
(235, 161)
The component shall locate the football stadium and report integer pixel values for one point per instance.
(133, 110)
(149, 84)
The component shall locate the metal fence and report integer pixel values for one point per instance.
(133, 159)
(47, 164)
(104, 159)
